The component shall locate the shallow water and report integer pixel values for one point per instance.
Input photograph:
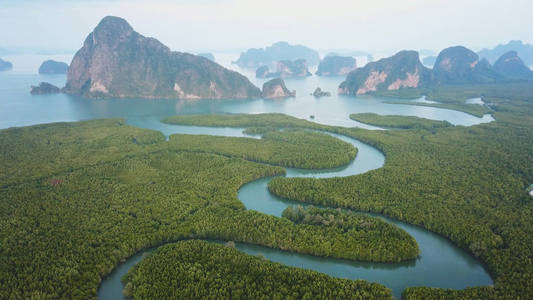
(19, 108)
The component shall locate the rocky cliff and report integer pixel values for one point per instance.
(512, 66)
(254, 58)
(53, 67)
(116, 61)
(403, 70)
(5, 65)
(336, 66)
(459, 65)
(276, 89)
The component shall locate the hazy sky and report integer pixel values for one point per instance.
(376, 25)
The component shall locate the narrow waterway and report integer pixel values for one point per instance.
(441, 264)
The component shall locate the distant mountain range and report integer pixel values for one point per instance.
(254, 58)
(524, 51)
(454, 65)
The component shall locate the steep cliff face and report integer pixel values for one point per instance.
(403, 70)
(53, 67)
(254, 58)
(459, 65)
(510, 65)
(336, 66)
(276, 89)
(116, 61)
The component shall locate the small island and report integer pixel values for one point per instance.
(53, 67)
(44, 88)
(320, 93)
(276, 89)
(5, 65)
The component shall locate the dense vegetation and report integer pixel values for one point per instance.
(364, 230)
(455, 96)
(272, 120)
(202, 270)
(403, 122)
(466, 183)
(473, 109)
(78, 198)
(276, 147)
(36, 151)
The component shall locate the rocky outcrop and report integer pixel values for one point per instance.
(511, 66)
(44, 88)
(285, 69)
(336, 66)
(116, 61)
(459, 65)
(320, 93)
(5, 65)
(53, 67)
(254, 58)
(403, 70)
(276, 89)
(209, 56)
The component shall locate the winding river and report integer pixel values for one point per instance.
(441, 264)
